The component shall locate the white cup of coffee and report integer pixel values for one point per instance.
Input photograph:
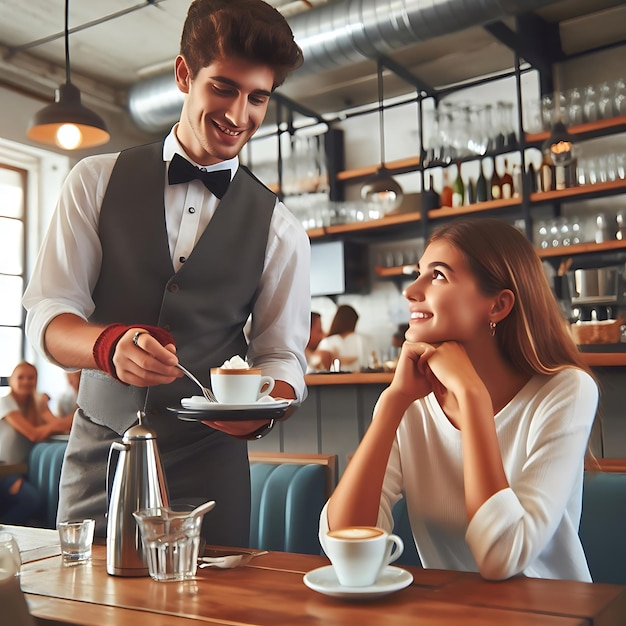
(240, 386)
(360, 553)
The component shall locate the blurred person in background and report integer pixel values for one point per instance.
(66, 404)
(343, 342)
(25, 419)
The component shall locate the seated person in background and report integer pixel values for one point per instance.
(315, 336)
(66, 404)
(485, 425)
(343, 342)
(24, 419)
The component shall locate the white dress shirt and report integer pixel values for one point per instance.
(68, 265)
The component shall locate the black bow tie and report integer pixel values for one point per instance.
(182, 171)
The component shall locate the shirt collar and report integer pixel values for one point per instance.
(172, 146)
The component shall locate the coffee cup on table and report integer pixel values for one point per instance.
(240, 386)
(359, 554)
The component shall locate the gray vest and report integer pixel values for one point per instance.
(204, 305)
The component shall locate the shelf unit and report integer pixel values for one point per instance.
(510, 207)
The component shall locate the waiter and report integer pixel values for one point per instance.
(163, 252)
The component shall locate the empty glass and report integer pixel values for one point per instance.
(76, 538)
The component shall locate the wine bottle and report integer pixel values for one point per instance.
(506, 182)
(546, 174)
(458, 188)
(430, 198)
(517, 180)
(481, 186)
(446, 191)
(531, 177)
(471, 191)
(496, 192)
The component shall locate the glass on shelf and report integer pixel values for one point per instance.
(619, 97)
(590, 104)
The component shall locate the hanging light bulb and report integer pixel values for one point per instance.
(67, 123)
(559, 147)
(382, 191)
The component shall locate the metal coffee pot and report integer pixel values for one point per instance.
(138, 483)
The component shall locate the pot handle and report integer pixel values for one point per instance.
(119, 447)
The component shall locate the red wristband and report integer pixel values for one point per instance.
(104, 348)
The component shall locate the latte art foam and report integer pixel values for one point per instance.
(356, 533)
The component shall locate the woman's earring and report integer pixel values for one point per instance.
(492, 328)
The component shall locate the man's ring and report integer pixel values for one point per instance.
(136, 337)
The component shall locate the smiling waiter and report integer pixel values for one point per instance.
(163, 252)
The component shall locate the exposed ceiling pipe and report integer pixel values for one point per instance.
(341, 34)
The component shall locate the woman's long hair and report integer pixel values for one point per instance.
(344, 321)
(534, 337)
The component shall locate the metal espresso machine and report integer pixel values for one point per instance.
(598, 304)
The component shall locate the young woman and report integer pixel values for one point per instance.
(24, 419)
(485, 425)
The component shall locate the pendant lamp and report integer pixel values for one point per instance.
(559, 146)
(67, 123)
(381, 190)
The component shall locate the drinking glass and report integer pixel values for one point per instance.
(9, 544)
(76, 538)
(619, 97)
(575, 106)
(547, 110)
(533, 122)
(590, 104)
(605, 101)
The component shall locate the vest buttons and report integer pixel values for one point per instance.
(182, 259)
(173, 288)
(191, 209)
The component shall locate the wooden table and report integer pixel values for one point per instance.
(269, 591)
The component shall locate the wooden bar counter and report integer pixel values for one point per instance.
(270, 591)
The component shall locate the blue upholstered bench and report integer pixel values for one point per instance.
(287, 499)
(602, 527)
(44, 472)
(288, 494)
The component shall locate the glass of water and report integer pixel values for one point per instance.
(171, 542)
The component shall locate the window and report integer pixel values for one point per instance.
(12, 265)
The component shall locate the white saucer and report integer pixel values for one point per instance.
(324, 580)
(202, 404)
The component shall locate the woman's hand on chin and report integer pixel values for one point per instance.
(413, 378)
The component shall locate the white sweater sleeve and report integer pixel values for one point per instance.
(513, 527)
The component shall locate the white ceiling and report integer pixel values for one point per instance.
(109, 57)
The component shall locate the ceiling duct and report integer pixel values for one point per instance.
(341, 34)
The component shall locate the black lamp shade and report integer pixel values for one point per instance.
(559, 146)
(382, 191)
(68, 109)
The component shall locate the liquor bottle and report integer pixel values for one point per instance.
(481, 186)
(471, 191)
(517, 180)
(546, 174)
(430, 198)
(458, 189)
(446, 191)
(496, 192)
(506, 182)
(531, 177)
